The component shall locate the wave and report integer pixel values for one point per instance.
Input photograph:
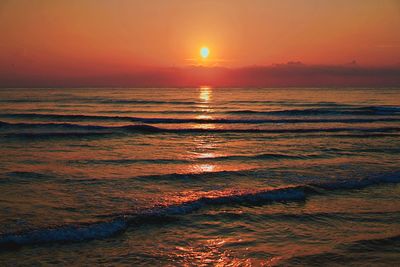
(127, 101)
(365, 110)
(24, 177)
(128, 161)
(367, 135)
(272, 156)
(67, 233)
(29, 176)
(375, 243)
(80, 117)
(359, 217)
(84, 100)
(357, 253)
(65, 129)
(50, 130)
(291, 102)
(196, 176)
(121, 221)
(49, 135)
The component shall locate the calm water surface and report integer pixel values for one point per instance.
(200, 176)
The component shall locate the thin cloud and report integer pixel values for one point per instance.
(279, 75)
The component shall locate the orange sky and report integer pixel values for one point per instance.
(99, 36)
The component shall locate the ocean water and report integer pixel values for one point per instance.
(200, 176)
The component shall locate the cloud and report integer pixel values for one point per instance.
(388, 46)
(279, 75)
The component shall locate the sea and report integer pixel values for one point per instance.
(200, 176)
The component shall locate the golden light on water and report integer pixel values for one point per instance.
(213, 252)
(204, 117)
(205, 97)
(206, 167)
(203, 146)
(205, 94)
(206, 155)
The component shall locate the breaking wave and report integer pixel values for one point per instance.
(79, 117)
(68, 129)
(366, 110)
(120, 222)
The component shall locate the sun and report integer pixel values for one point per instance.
(204, 52)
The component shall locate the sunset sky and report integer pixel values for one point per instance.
(90, 38)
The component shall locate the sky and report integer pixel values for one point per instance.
(52, 42)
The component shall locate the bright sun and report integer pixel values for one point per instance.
(204, 52)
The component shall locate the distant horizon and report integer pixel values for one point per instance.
(290, 74)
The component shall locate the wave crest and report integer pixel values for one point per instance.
(65, 129)
(119, 222)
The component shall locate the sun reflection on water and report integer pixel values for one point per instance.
(203, 147)
(205, 167)
(204, 126)
(212, 252)
(205, 97)
(206, 155)
(204, 117)
(205, 94)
